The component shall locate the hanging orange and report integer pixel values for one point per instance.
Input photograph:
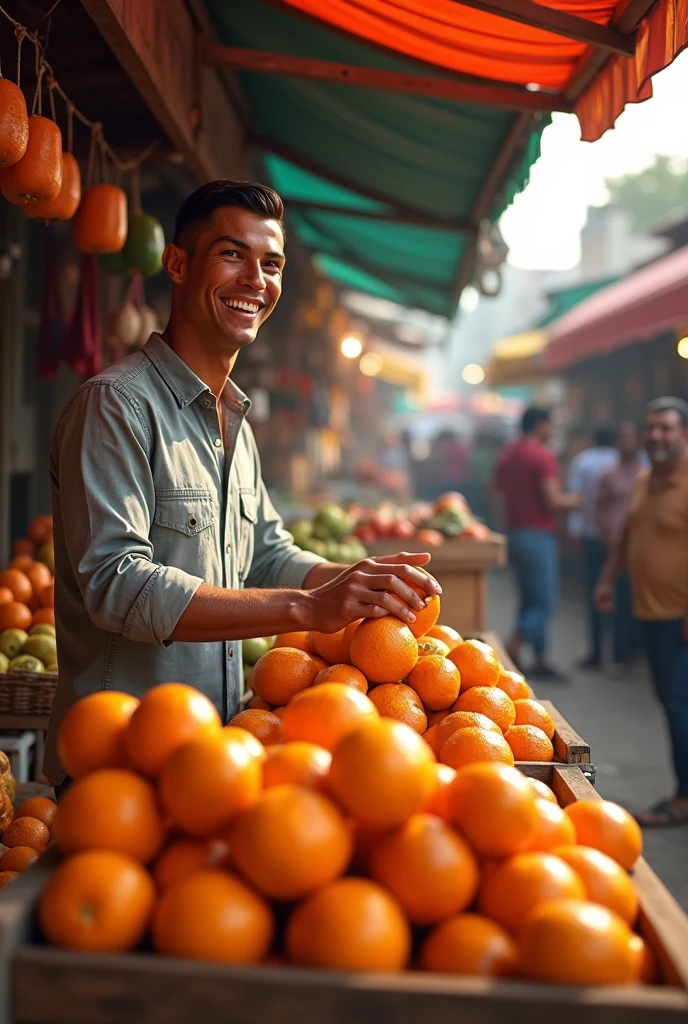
(100, 224)
(65, 205)
(37, 177)
(14, 123)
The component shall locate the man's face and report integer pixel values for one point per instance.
(231, 279)
(665, 437)
(543, 431)
(627, 441)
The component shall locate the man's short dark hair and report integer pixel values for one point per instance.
(532, 417)
(604, 437)
(670, 404)
(198, 208)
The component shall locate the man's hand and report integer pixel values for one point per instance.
(371, 589)
(603, 596)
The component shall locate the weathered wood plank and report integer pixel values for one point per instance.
(568, 745)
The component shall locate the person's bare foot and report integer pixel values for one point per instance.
(665, 813)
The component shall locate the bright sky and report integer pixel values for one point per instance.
(542, 226)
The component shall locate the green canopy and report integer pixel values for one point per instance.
(564, 299)
(411, 167)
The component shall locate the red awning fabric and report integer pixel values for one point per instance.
(488, 46)
(643, 305)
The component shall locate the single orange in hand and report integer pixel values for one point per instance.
(400, 702)
(528, 743)
(282, 673)
(93, 733)
(296, 764)
(110, 809)
(531, 712)
(427, 616)
(184, 857)
(469, 746)
(447, 635)
(513, 684)
(437, 682)
(302, 641)
(266, 726)
(6, 877)
(291, 841)
(327, 713)
(18, 858)
(97, 900)
(385, 650)
(510, 892)
(168, 716)
(605, 881)
(27, 832)
(382, 773)
(346, 674)
(38, 807)
(213, 916)
(554, 827)
(477, 663)
(437, 803)
(462, 720)
(334, 647)
(542, 790)
(469, 944)
(351, 924)
(428, 867)
(489, 701)
(609, 828)
(494, 807)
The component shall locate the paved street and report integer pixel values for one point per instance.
(621, 721)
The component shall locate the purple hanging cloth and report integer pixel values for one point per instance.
(51, 329)
(83, 350)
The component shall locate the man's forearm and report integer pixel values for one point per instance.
(321, 574)
(616, 562)
(216, 614)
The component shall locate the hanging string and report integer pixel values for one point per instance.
(91, 155)
(38, 95)
(70, 127)
(19, 32)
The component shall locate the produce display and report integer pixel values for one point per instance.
(26, 830)
(429, 524)
(329, 533)
(27, 618)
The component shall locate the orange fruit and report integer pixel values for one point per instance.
(437, 802)
(477, 663)
(110, 809)
(435, 717)
(21, 562)
(38, 807)
(185, 857)
(346, 674)
(428, 867)
(47, 596)
(573, 942)
(39, 576)
(18, 858)
(510, 892)
(446, 634)
(282, 673)
(513, 684)
(385, 650)
(327, 713)
(168, 716)
(43, 615)
(462, 720)
(290, 842)
(27, 832)
(18, 582)
(266, 726)
(427, 645)
(469, 944)
(554, 827)
(257, 704)
(425, 618)
(250, 741)
(296, 764)
(15, 615)
(213, 916)
(604, 880)
(542, 790)
(489, 701)
(351, 924)
(97, 900)
(437, 682)
(93, 733)
(23, 546)
(607, 827)
(382, 773)
(648, 970)
(469, 746)
(528, 743)
(319, 664)
(334, 647)
(494, 807)
(6, 877)
(302, 641)
(430, 737)
(401, 702)
(40, 529)
(531, 712)
(205, 783)
(6, 595)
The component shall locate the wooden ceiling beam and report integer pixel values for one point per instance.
(627, 18)
(502, 95)
(602, 37)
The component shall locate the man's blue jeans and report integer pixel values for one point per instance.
(534, 558)
(667, 654)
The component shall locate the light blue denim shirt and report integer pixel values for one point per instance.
(149, 501)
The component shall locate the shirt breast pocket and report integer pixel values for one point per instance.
(248, 517)
(182, 531)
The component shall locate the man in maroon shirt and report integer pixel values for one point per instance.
(527, 476)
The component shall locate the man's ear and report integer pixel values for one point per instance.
(174, 260)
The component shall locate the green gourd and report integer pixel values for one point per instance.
(144, 245)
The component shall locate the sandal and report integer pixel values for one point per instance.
(662, 815)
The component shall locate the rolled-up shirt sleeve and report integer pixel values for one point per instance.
(106, 493)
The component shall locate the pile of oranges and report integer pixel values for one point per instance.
(26, 837)
(26, 584)
(340, 843)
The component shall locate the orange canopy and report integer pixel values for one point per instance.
(460, 38)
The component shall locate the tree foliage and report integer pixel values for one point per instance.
(652, 194)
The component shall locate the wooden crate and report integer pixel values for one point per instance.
(41, 985)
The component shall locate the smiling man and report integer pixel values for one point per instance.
(168, 550)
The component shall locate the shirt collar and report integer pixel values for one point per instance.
(183, 382)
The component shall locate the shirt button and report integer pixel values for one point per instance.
(230, 652)
(228, 548)
(218, 442)
(207, 403)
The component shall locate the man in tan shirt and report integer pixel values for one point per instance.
(653, 548)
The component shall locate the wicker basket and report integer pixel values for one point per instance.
(27, 693)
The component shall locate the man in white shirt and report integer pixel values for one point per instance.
(585, 472)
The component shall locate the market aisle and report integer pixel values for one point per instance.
(621, 721)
